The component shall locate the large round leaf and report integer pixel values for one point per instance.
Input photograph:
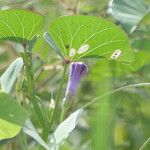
(19, 25)
(95, 36)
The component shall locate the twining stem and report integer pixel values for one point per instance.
(145, 144)
(54, 113)
(27, 57)
(113, 92)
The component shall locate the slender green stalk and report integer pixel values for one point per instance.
(145, 144)
(54, 113)
(31, 90)
(113, 92)
(63, 112)
(66, 106)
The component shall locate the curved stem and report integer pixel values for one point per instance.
(113, 92)
(145, 144)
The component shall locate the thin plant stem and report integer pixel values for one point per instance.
(113, 92)
(63, 112)
(145, 144)
(54, 113)
(31, 90)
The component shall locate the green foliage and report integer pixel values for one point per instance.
(120, 119)
(106, 68)
(128, 13)
(8, 130)
(97, 36)
(66, 127)
(11, 111)
(60, 134)
(19, 25)
(9, 77)
(142, 34)
(12, 116)
(30, 130)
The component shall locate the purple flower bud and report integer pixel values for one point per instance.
(77, 71)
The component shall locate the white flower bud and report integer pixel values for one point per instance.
(52, 104)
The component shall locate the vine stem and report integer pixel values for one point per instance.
(54, 113)
(27, 57)
(113, 92)
(145, 144)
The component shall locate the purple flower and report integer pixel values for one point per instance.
(77, 71)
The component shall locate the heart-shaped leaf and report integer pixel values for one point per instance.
(19, 25)
(90, 36)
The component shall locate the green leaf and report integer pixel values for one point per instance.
(103, 69)
(141, 44)
(12, 116)
(32, 42)
(51, 42)
(66, 127)
(19, 25)
(89, 36)
(30, 130)
(127, 12)
(141, 35)
(8, 130)
(11, 111)
(9, 77)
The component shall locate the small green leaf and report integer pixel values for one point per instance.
(128, 13)
(11, 111)
(32, 42)
(10, 75)
(89, 36)
(51, 42)
(30, 130)
(19, 25)
(66, 127)
(8, 130)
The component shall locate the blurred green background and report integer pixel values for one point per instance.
(118, 122)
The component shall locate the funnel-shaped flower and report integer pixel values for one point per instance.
(77, 71)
